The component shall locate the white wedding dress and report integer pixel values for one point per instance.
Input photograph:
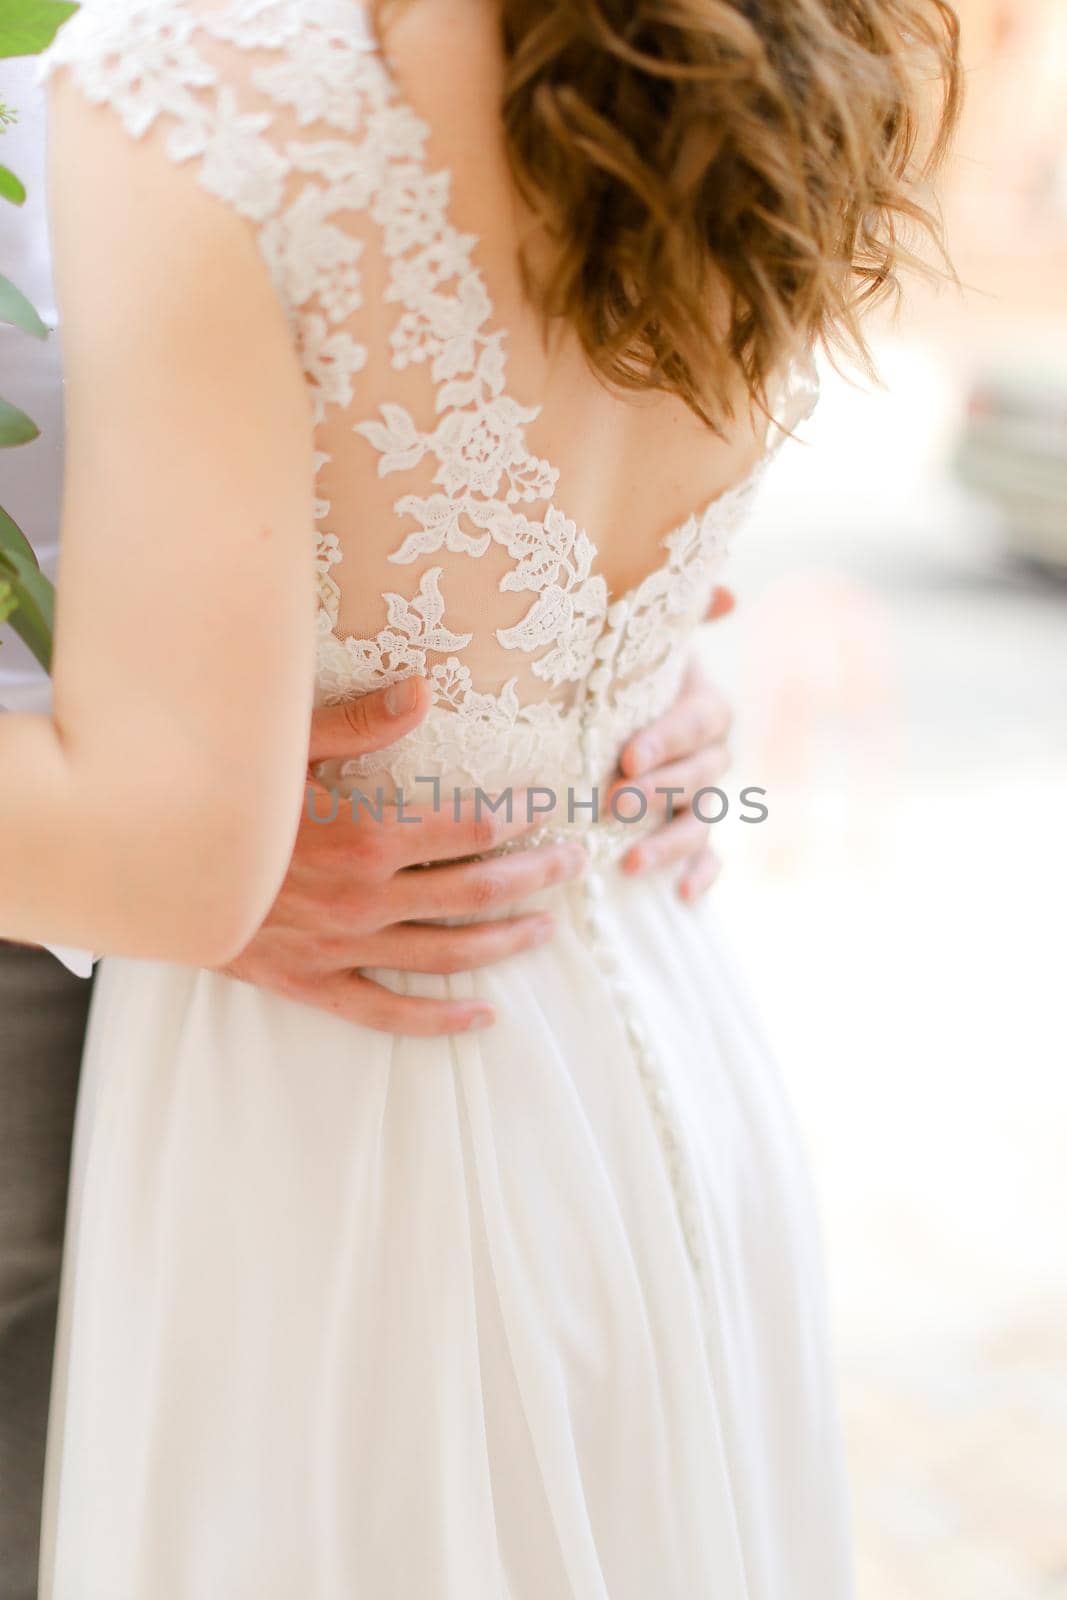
(529, 1314)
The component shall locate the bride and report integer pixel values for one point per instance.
(511, 301)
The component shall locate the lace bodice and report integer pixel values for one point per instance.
(444, 544)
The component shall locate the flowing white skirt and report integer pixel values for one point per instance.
(531, 1314)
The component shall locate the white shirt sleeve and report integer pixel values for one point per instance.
(80, 962)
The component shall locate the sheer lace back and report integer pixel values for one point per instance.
(445, 546)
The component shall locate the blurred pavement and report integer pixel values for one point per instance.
(903, 697)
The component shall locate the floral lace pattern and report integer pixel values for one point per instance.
(359, 148)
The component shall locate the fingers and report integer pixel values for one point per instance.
(722, 603)
(700, 717)
(369, 722)
(484, 887)
(359, 999)
(418, 947)
(685, 839)
(669, 790)
(448, 832)
(369, 838)
(702, 872)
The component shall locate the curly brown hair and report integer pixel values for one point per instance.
(724, 182)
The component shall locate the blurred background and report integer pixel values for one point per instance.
(899, 660)
(899, 657)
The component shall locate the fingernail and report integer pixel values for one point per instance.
(400, 697)
(481, 1019)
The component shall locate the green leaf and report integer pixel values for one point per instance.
(34, 595)
(13, 541)
(28, 26)
(16, 309)
(11, 188)
(15, 426)
(27, 593)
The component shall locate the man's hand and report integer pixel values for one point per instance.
(685, 748)
(358, 895)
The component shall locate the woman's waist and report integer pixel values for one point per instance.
(566, 755)
(604, 819)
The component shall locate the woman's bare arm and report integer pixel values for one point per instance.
(185, 630)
